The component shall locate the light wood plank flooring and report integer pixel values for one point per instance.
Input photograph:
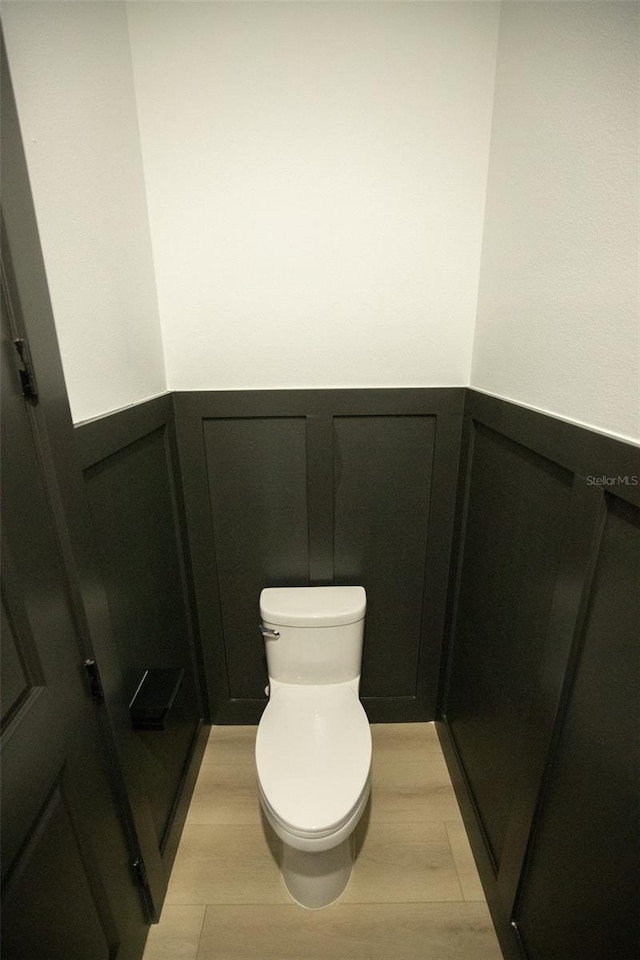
(414, 893)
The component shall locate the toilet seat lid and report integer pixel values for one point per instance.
(313, 754)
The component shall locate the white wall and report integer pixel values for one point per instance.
(316, 178)
(558, 323)
(315, 175)
(71, 69)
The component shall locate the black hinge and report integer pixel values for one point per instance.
(140, 872)
(27, 376)
(95, 683)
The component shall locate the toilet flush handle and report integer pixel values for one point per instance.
(269, 634)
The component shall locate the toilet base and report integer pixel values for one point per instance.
(317, 879)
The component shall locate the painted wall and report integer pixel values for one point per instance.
(316, 176)
(71, 69)
(558, 314)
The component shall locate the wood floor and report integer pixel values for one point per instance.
(414, 893)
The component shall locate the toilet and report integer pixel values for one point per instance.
(313, 747)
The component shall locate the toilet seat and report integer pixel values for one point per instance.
(313, 757)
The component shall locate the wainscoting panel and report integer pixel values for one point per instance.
(383, 468)
(537, 710)
(257, 475)
(130, 472)
(322, 487)
(585, 853)
(516, 510)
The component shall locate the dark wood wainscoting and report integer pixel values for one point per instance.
(499, 549)
(539, 711)
(132, 480)
(585, 852)
(322, 487)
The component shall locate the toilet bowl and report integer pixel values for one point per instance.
(313, 746)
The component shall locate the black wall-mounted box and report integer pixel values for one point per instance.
(154, 698)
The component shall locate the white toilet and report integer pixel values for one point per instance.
(313, 748)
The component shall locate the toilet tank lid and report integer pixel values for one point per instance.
(312, 606)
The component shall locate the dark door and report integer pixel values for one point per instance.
(68, 887)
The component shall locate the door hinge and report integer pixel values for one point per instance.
(95, 683)
(140, 872)
(27, 376)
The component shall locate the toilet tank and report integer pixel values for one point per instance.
(320, 632)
